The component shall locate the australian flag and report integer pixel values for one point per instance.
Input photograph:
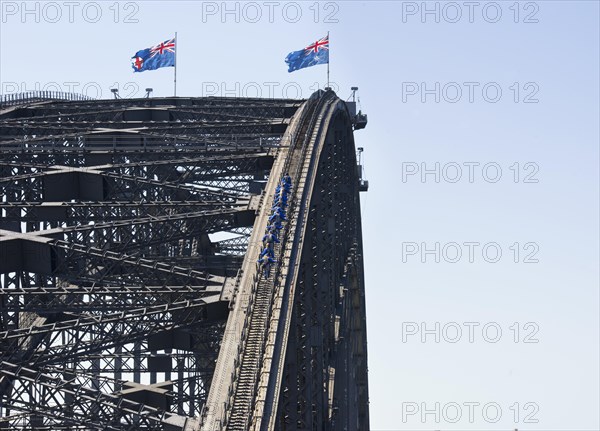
(316, 53)
(161, 55)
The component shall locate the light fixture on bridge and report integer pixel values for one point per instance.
(359, 120)
(363, 185)
(115, 92)
(148, 92)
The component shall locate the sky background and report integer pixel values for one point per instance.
(542, 371)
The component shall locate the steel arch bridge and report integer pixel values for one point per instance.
(131, 297)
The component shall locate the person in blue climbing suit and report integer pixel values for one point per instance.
(278, 209)
(270, 239)
(273, 228)
(280, 201)
(286, 183)
(279, 205)
(277, 217)
(280, 196)
(267, 251)
(285, 188)
(287, 179)
(265, 263)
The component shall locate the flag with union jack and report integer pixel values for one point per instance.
(161, 55)
(313, 54)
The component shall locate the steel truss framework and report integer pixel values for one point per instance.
(130, 297)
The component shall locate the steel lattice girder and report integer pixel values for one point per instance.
(107, 255)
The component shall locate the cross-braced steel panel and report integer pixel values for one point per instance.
(123, 226)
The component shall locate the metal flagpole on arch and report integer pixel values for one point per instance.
(328, 52)
(175, 72)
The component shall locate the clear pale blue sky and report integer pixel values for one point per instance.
(373, 47)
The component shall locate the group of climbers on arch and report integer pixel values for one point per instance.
(280, 202)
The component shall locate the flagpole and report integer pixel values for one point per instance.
(328, 46)
(175, 72)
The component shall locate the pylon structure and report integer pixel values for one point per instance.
(131, 296)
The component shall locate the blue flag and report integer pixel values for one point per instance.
(316, 53)
(161, 55)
